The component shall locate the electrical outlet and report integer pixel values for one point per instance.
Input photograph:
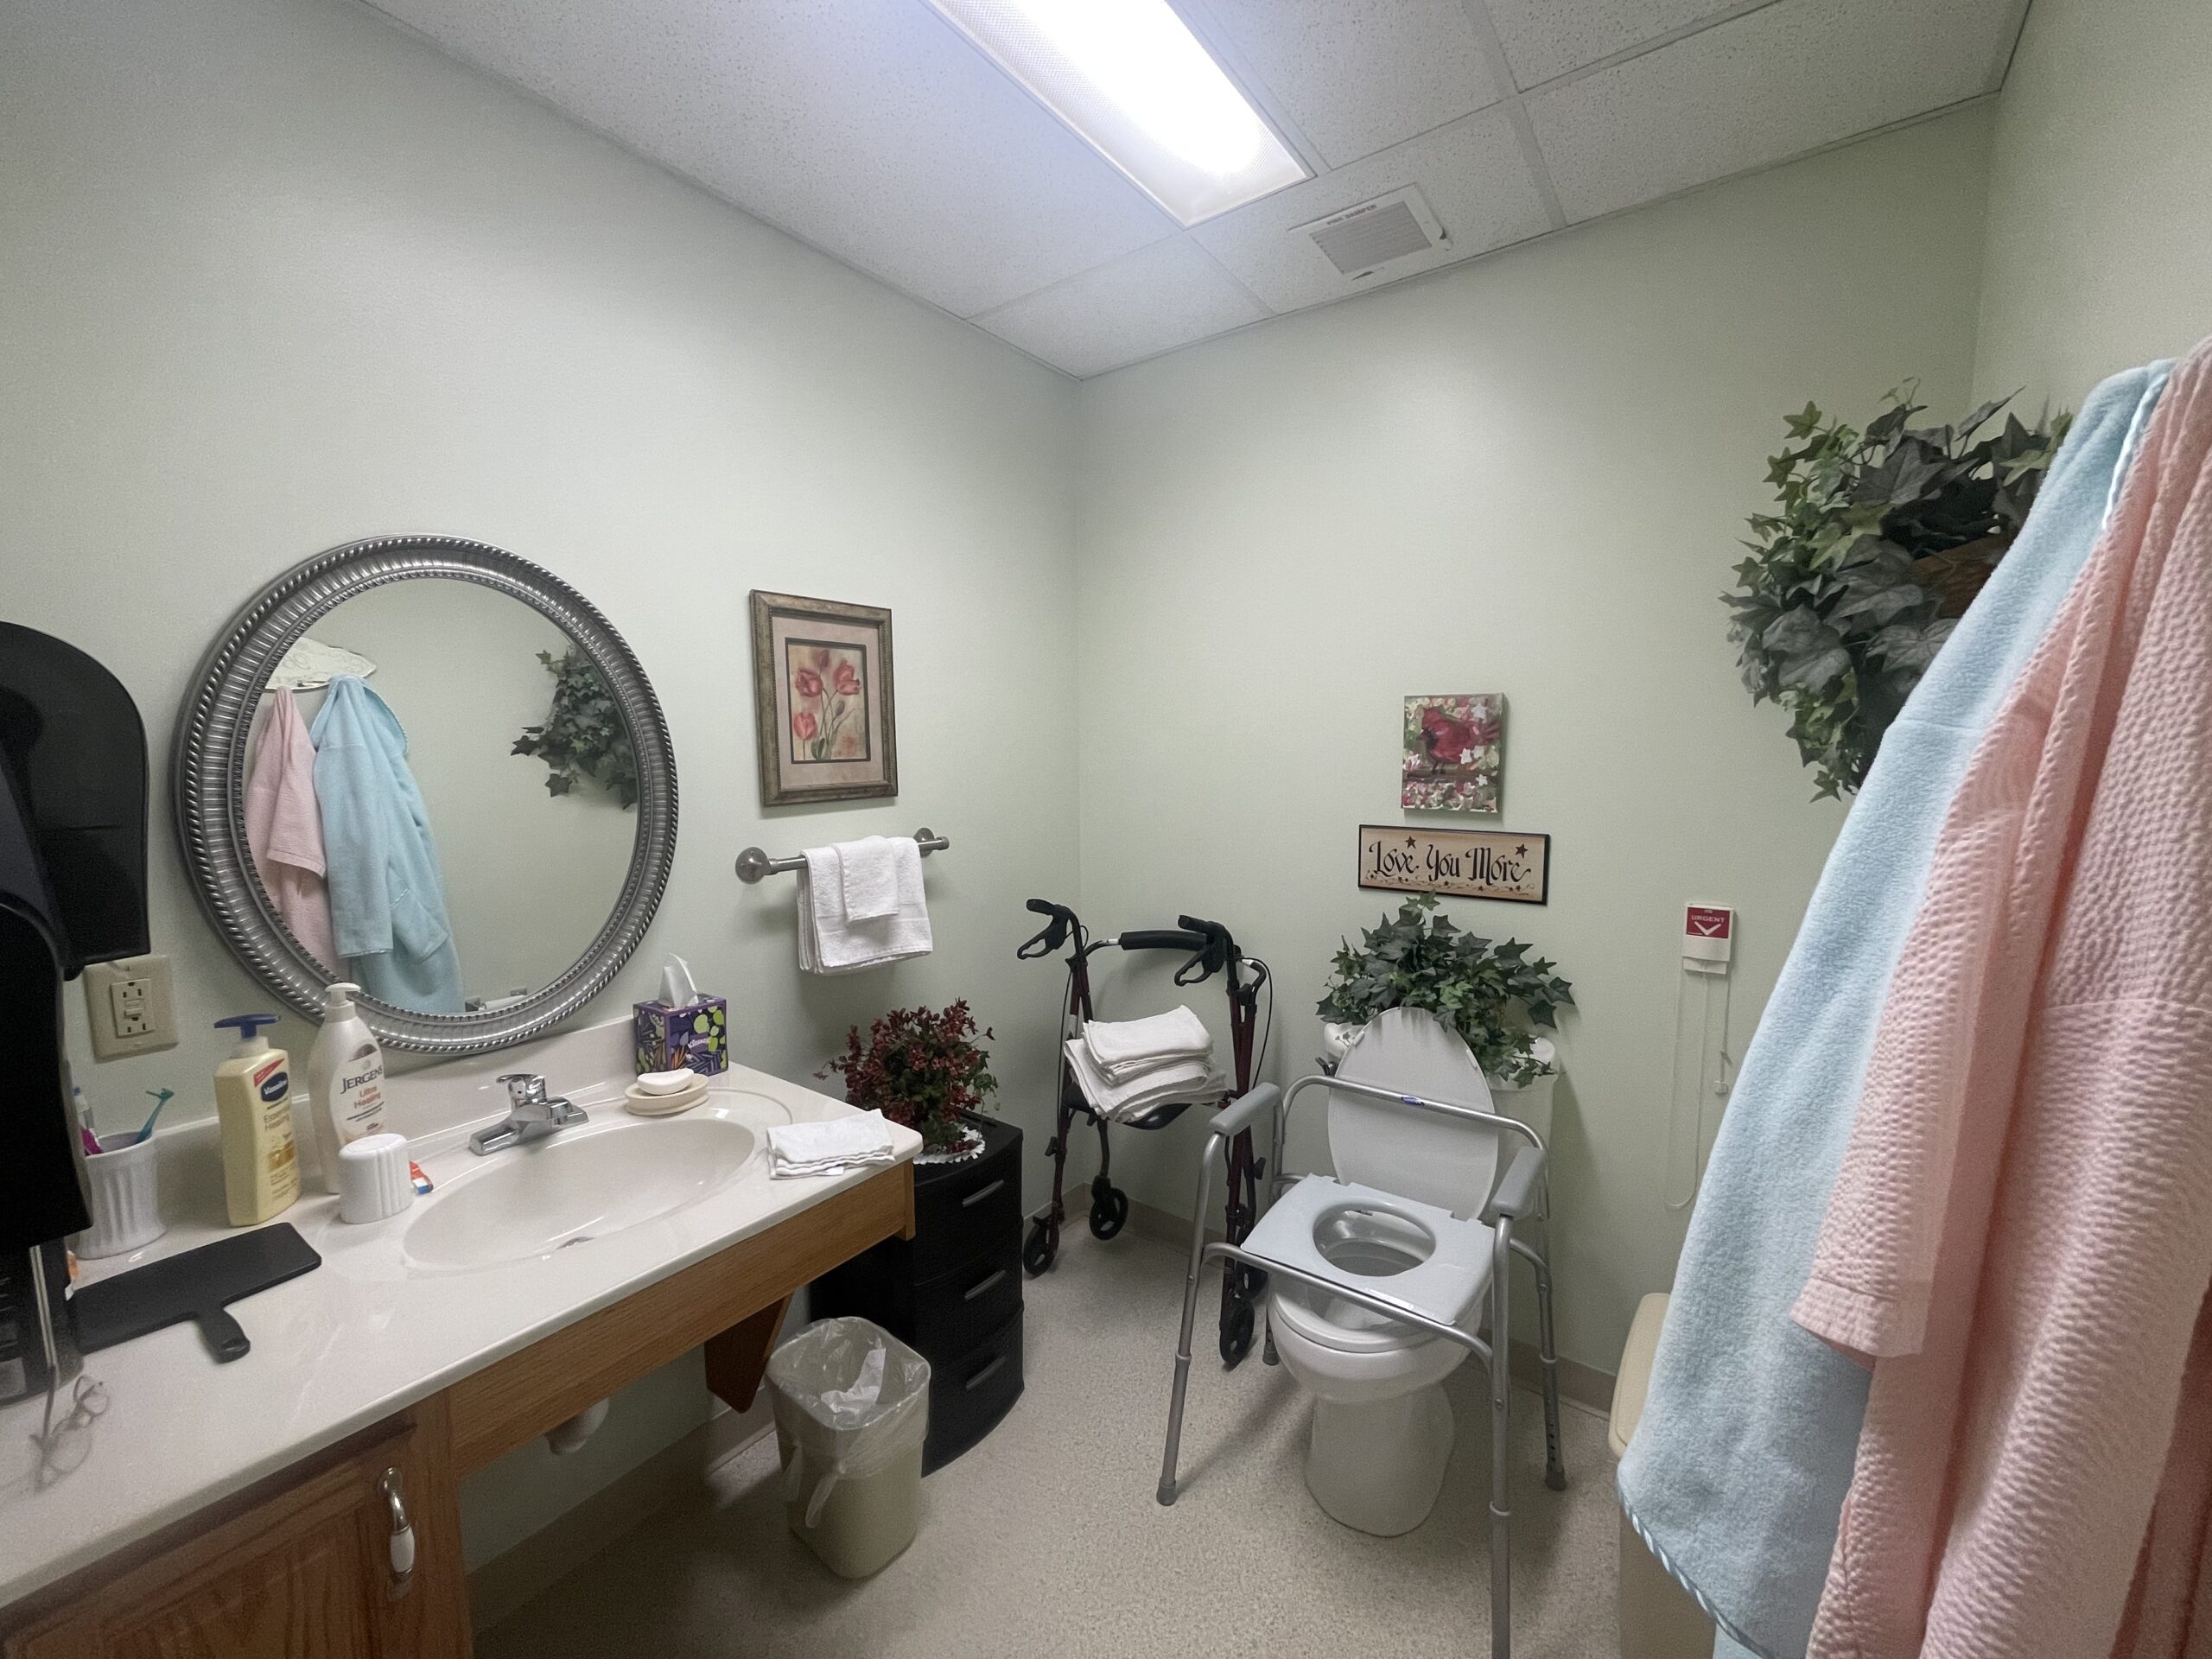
(129, 1006)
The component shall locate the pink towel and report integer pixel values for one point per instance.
(283, 827)
(2020, 1239)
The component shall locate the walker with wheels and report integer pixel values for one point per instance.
(1212, 950)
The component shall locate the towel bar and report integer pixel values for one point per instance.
(753, 863)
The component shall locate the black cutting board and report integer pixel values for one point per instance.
(198, 1285)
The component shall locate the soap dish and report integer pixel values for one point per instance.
(647, 1103)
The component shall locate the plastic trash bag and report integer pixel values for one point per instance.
(849, 1398)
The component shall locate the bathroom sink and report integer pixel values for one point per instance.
(580, 1184)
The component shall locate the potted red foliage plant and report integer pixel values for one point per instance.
(922, 1068)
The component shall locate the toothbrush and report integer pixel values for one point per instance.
(160, 1098)
(84, 1108)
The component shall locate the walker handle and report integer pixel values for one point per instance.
(1053, 935)
(1161, 938)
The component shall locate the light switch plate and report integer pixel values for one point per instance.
(129, 1007)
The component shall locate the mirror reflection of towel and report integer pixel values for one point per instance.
(284, 826)
(387, 894)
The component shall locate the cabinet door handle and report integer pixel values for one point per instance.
(402, 1543)
(985, 1376)
(976, 1290)
(982, 1192)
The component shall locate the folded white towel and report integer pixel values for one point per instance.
(869, 871)
(1170, 1079)
(831, 942)
(829, 1147)
(1125, 1048)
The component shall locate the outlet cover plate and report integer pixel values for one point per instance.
(129, 1007)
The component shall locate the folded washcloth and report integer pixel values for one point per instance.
(869, 872)
(829, 1147)
(1126, 1048)
(1174, 1078)
(832, 942)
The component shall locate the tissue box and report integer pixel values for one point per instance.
(696, 1034)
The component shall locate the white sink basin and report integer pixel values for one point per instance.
(613, 1173)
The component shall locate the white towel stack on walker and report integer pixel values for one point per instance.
(861, 906)
(1125, 1068)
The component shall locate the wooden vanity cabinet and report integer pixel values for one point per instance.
(298, 1564)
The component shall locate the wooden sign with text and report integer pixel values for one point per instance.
(1460, 863)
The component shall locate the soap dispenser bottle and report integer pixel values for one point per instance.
(345, 1080)
(253, 1100)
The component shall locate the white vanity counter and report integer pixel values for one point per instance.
(374, 1330)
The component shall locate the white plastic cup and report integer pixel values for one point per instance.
(373, 1180)
(126, 1197)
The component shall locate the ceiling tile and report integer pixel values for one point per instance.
(1143, 303)
(1357, 77)
(1758, 89)
(1473, 174)
(1547, 38)
(872, 130)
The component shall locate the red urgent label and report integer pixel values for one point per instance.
(1707, 922)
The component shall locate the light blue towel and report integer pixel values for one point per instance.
(387, 895)
(1737, 1473)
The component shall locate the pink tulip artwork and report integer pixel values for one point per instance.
(828, 711)
(1454, 753)
(824, 718)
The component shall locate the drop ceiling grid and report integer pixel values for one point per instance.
(878, 135)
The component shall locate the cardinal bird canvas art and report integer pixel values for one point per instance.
(1454, 753)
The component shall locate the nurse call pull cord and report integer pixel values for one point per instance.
(1213, 950)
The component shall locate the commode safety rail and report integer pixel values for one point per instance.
(1212, 950)
(1521, 1196)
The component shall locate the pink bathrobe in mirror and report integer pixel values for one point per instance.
(283, 827)
(2020, 1239)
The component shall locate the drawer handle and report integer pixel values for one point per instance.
(976, 1290)
(982, 1192)
(985, 1376)
(402, 1543)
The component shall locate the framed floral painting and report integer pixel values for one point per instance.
(822, 700)
(1454, 753)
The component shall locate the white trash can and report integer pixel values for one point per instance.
(852, 1406)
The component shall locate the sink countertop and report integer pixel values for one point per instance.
(352, 1342)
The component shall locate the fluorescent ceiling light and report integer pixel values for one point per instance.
(1132, 81)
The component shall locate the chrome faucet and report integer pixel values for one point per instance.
(531, 1114)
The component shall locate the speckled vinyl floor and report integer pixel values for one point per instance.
(1045, 1540)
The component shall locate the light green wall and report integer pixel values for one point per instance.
(1525, 475)
(275, 276)
(2100, 244)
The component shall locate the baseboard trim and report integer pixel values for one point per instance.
(507, 1581)
(1579, 1384)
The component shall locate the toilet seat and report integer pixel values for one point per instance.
(1441, 1287)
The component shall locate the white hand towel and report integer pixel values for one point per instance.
(1123, 1048)
(827, 1148)
(870, 878)
(831, 943)
(1167, 1080)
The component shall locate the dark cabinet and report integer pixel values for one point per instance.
(953, 1292)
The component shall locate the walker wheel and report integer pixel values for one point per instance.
(1039, 1250)
(1109, 1209)
(1236, 1335)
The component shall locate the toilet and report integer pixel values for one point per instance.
(1401, 1216)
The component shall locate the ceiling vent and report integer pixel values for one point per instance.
(1362, 240)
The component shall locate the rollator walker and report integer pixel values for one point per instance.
(1337, 1236)
(1212, 950)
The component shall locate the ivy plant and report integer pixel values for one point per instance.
(1494, 995)
(1879, 539)
(583, 735)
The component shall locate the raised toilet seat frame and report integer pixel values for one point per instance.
(1520, 1197)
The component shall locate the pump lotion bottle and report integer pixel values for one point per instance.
(253, 1101)
(345, 1080)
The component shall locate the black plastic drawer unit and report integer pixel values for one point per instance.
(953, 1292)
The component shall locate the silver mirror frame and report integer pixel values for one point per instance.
(209, 782)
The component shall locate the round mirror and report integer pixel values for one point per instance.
(432, 768)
